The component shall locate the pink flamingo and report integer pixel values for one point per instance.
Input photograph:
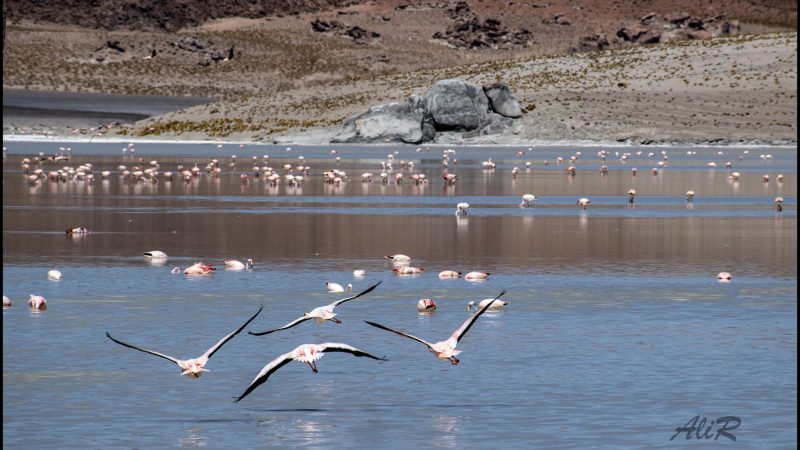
(426, 305)
(398, 258)
(37, 302)
(408, 270)
(199, 269)
(444, 349)
(307, 353)
(193, 368)
(320, 314)
(476, 276)
(445, 274)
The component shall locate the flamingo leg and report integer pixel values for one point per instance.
(336, 320)
(313, 366)
(453, 360)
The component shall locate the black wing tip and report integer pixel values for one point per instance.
(369, 289)
(258, 334)
(111, 337)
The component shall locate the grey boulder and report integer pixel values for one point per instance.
(503, 100)
(392, 122)
(456, 105)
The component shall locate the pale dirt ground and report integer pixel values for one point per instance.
(727, 90)
(288, 83)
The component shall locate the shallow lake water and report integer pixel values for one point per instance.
(617, 332)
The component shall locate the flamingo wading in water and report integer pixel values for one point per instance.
(307, 353)
(495, 306)
(233, 264)
(199, 268)
(527, 200)
(445, 349)
(37, 302)
(336, 287)
(193, 368)
(54, 275)
(399, 258)
(426, 305)
(320, 314)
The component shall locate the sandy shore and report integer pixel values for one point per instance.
(60, 113)
(739, 90)
(729, 91)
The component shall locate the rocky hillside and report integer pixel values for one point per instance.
(178, 14)
(156, 14)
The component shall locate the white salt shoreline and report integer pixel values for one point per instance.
(306, 142)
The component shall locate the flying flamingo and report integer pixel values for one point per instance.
(724, 277)
(307, 353)
(320, 314)
(445, 349)
(193, 368)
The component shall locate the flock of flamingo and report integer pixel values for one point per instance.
(297, 174)
(311, 353)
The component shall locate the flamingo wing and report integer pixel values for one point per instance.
(287, 326)
(364, 292)
(265, 373)
(410, 336)
(175, 360)
(230, 336)
(335, 347)
(459, 333)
